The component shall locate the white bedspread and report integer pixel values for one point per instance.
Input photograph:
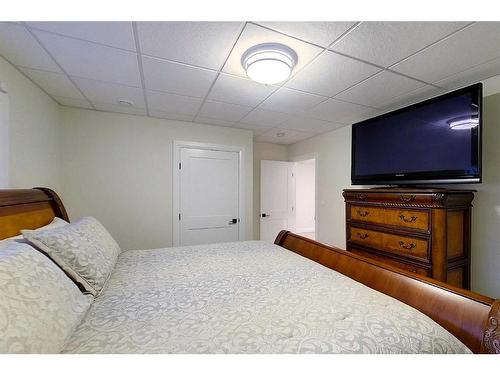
(247, 297)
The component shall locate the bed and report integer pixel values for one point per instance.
(294, 296)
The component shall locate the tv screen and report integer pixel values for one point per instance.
(435, 141)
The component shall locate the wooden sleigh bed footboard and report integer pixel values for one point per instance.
(472, 318)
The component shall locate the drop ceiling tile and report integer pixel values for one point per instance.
(491, 86)
(223, 111)
(204, 44)
(266, 118)
(288, 132)
(261, 139)
(19, 47)
(161, 75)
(291, 101)
(105, 92)
(385, 43)
(271, 136)
(254, 34)
(472, 75)
(115, 34)
(472, 46)
(54, 83)
(71, 102)
(106, 107)
(378, 89)
(90, 60)
(170, 116)
(320, 33)
(236, 90)
(302, 137)
(415, 96)
(338, 111)
(310, 125)
(211, 121)
(172, 103)
(331, 73)
(256, 129)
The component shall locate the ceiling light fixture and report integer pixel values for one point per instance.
(269, 63)
(280, 134)
(464, 122)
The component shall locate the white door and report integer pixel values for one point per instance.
(276, 198)
(209, 196)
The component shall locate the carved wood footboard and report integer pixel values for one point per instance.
(473, 318)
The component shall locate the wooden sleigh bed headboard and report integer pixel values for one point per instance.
(472, 318)
(28, 209)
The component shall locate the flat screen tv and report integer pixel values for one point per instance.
(435, 141)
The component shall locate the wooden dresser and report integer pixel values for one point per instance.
(426, 231)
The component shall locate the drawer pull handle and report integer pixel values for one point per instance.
(406, 219)
(363, 213)
(361, 197)
(362, 235)
(407, 198)
(405, 246)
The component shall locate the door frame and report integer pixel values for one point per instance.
(309, 156)
(177, 146)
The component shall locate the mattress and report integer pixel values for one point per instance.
(247, 297)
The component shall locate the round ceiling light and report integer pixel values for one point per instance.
(269, 63)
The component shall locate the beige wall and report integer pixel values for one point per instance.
(4, 140)
(118, 168)
(263, 151)
(34, 124)
(485, 268)
(334, 163)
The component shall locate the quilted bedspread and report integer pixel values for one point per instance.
(247, 297)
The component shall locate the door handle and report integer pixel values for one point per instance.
(233, 221)
(265, 215)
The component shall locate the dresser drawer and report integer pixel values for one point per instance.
(404, 266)
(406, 246)
(413, 219)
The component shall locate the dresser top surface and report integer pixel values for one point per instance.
(410, 190)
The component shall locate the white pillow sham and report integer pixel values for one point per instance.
(40, 306)
(84, 249)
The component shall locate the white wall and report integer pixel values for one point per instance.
(263, 151)
(34, 145)
(305, 178)
(118, 168)
(334, 163)
(4, 140)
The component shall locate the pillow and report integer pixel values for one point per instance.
(83, 249)
(55, 223)
(40, 306)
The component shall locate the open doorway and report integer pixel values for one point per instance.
(305, 198)
(288, 197)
